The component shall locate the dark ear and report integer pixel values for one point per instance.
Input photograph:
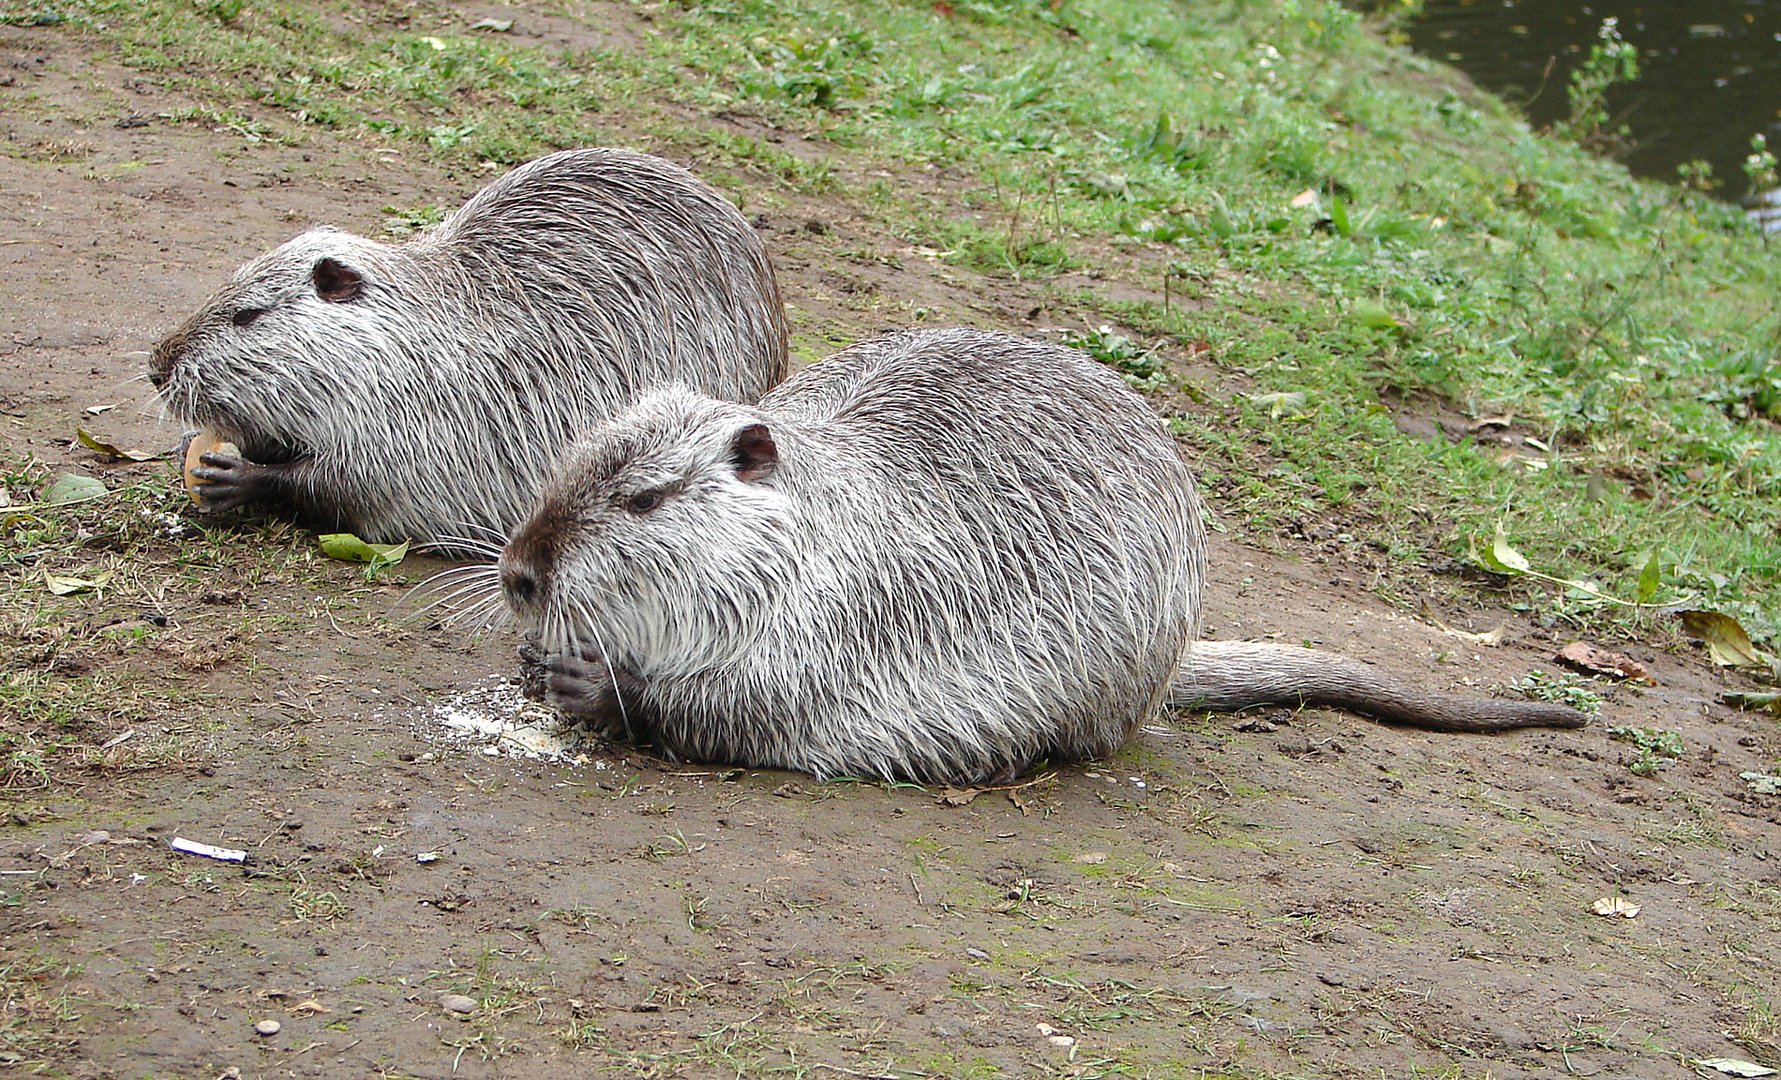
(336, 282)
(754, 453)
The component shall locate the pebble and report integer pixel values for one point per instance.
(268, 1027)
(457, 1003)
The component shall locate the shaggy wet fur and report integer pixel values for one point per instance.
(425, 390)
(937, 556)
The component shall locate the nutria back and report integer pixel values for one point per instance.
(937, 555)
(425, 389)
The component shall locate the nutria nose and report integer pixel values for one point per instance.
(521, 586)
(160, 362)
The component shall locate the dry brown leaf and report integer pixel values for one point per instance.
(1587, 658)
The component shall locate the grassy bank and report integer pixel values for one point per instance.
(1352, 235)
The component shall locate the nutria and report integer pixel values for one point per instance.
(424, 390)
(937, 556)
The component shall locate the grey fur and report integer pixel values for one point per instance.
(435, 400)
(937, 555)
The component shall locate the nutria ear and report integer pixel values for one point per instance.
(335, 281)
(755, 454)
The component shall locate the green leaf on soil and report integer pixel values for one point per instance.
(348, 548)
(1762, 783)
(72, 488)
(1502, 558)
(1727, 643)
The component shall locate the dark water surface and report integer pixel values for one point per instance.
(1710, 70)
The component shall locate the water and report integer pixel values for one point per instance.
(1709, 78)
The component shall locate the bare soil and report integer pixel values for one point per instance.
(1281, 893)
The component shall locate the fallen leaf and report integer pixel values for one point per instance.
(1587, 658)
(1755, 701)
(108, 449)
(1282, 402)
(348, 548)
(72, 488)
(1489, 637)
(95, 410)
(68, 584)
(493, 26)
(311, 1007)
(1733, 1067)
(1491, 421)
(1727, 643)
(1304, 198)
(1762, 783)
(1502, 558)
(1373, 316)
(958, 796)
(1650, 578)
(1615, 906)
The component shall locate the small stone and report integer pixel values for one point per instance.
(268, 1027)
(457, 1003)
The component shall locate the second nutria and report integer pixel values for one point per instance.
(937, 556)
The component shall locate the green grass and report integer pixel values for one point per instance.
(1446, 256)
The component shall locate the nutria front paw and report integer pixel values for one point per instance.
(534, 673)
(225, 482)
(590, 691)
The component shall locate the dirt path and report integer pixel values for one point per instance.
(1274, 894)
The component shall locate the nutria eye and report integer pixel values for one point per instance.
(643, 502)
(247, 315)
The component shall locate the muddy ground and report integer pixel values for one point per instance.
(1278, 894)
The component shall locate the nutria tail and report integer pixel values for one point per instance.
(1224, 676)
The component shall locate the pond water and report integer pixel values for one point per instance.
(1710, 70)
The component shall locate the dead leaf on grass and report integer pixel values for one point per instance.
(69, 584)
(1733, 1067)
(958, 796)
(1304, 198)
(1489, 637)
(1591, 660)
(1727, 643)
(1615, 907)
(106, 448)
(1755, 701)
